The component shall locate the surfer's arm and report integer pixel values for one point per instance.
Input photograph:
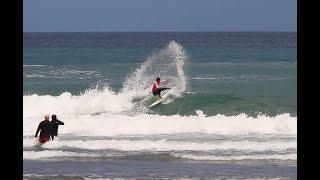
(60, 122)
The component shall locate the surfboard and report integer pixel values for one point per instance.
(165, 96)
(159, 100)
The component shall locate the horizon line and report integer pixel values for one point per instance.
(145, 31)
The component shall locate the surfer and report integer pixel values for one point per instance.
(55, 124)
(156, 90)
(45, 128)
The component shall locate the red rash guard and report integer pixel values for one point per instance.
(155, 86)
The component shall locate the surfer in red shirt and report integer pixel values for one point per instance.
(156, 90)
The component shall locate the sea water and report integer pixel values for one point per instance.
(232, 114)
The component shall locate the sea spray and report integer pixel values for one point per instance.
(167, 64)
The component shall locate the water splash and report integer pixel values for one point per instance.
(166, 64)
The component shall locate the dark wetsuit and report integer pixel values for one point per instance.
(55, 126)
(45, 128)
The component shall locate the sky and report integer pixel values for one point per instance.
(159, 15)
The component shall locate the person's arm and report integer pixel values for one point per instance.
(60, 122)
(38, 129)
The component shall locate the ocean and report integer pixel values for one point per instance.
(231, 115)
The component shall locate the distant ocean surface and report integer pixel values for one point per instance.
(231, 115)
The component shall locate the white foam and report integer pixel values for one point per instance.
(52, 154)
(164, 145)
(35, 76)
(238, 157)
(116, 124)
(47, 154)
(91, 101)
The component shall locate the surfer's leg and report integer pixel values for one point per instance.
(162, 89)
(159, 91)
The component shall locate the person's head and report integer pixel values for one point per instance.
(158, 80)
(54, 117)
(46, 117)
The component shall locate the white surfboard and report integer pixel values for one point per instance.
(165, 96)
(159, 100)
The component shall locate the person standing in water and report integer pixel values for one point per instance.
(45, 128)
(156, 90)
(55, 124)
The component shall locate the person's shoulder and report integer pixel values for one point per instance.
(45, 122)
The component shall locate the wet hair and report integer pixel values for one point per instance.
(53, 116)
(158, 79)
